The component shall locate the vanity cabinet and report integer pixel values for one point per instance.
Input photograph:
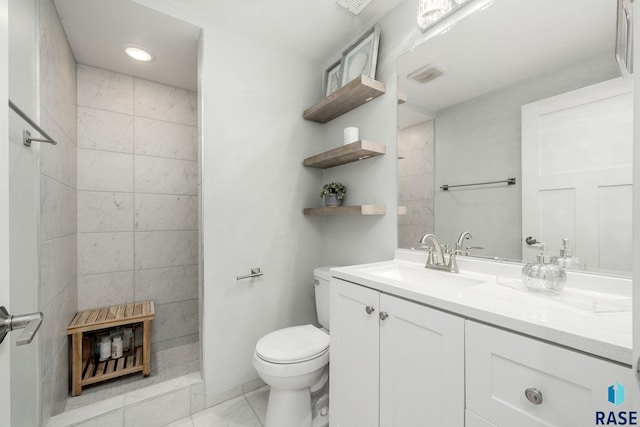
(393, 362)
(501, 366)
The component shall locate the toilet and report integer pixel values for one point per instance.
(294, 362)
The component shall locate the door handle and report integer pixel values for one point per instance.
(29, 322)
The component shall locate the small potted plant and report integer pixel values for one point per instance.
(333, 194)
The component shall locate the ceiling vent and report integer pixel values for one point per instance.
(354, 6)
(427, 73)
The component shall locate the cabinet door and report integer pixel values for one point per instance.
(473, 420)
(354, 377)
(571, 389)
(421, 366)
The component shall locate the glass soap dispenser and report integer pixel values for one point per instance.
(566, 259)
(541, 276)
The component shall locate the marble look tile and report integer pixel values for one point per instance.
(105, 130)
(159, 411)
(58, 209)
(58, 266)
(258, 400)
(159, 212)
(54, 390)
(164, 139)
(99, 290)
(57, 70)
(110, 419)
(78, 415)
(198, 400)
(165, 176)
(104, 211)
(253, 385)
(171, 104)
(185, 422)
(151, 392)
(105, 171)
(58, 161)
(166, 285)
(104, 252)
(156, 249)
(415, 187)
(177, 342)
(104, 90)
(175, 320)
(233, 413)
(53, 333)
(419, 212)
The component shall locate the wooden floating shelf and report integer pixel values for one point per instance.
(347, 210)
(357, 92)
(349, 153)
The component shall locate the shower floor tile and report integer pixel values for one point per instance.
(165, 365)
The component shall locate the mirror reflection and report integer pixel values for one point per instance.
(536, 95)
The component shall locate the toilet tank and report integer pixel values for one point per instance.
(321, 285)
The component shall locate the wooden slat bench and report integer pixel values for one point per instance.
(84, 371)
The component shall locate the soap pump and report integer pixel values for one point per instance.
(566, 259)
(543, 276)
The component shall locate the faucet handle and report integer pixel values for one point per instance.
(430, 260)
(446, 250)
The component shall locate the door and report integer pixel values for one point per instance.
(421, 366)
(355, 359)
(571, 188)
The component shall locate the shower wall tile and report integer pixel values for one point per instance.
(54, 392)
(58, 266)
(167, 285)
(156, 212)
(171, 104)
(105, 130)
(105, 171)
(57, 161)
(104, 90)
(164, 139)
(100, 290)
(175, 320)
(57, 209)
(104, 252)
(161, 411)
(104, 211)
(156, 249)
(53, 336)
(165, 176)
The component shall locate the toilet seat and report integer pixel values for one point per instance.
(296, 344)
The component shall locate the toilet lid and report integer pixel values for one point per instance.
(295, 344)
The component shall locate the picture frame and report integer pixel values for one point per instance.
(361, 57)
(332, 80)
(624, 38)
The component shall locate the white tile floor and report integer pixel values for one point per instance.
(243, 411)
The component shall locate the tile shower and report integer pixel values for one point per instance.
(137, 199)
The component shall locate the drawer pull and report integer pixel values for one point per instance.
(369, 309)
(534, 396)
(383, 315)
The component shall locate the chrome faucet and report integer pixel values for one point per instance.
(439, 262)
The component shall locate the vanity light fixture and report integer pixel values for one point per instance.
(430, 12)
(138, 53)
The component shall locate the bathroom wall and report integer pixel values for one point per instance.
(58, 207)
(137, 199)
(479, 140)
(415, 183)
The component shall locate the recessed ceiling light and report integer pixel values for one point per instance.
(138, 53)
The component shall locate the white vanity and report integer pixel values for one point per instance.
(416, 347)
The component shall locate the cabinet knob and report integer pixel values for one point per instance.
(316, 282)
(383, 315)
(533, 395)
(369, 309)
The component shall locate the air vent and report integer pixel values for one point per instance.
(427, 73)
(354, 6)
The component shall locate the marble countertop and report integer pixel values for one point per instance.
(592, 314)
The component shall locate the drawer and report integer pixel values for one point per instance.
(501, 365)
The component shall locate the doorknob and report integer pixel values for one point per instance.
(29, 322)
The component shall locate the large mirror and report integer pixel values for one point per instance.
(523, 100)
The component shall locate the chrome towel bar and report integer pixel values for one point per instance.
(26, 135)
(255, 272)
(509, 181)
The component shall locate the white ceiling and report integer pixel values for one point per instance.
(507, 42)
(97, 29)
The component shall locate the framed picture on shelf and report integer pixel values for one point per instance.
(332, 79)
(361, 57)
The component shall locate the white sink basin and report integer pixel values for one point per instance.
(420, 276)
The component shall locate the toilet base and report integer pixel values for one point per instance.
(289, 408)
